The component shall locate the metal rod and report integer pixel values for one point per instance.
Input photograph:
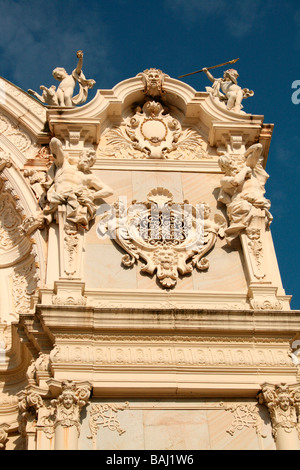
(209, 68)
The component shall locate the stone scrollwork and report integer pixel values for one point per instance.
(245, 415)
(30, 402)
(105, 415)
(171, 238)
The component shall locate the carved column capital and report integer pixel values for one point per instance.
(283, 402)
(67, 408)
(70, 403)
(30, 402)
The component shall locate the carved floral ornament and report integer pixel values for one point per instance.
(171, 238)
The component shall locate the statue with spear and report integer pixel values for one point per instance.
(226, 88)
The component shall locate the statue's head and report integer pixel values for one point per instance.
(231, 74)
(68, 397)
(284, 401)
(228, 165)
(59, 73)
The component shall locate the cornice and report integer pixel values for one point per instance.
(26, 110)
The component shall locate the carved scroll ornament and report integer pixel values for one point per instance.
(170, 238)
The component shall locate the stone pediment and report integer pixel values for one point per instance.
(123, 125)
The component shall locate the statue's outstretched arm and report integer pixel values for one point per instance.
(80, 62)
(209, 75)
(253, 155)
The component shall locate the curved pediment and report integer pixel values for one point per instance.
(200, 112)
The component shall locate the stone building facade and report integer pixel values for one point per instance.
(141, 303)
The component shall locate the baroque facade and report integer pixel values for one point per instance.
(141, 303)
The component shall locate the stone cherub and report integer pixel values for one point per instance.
(232, 94)
(243, 188)
(63, 95)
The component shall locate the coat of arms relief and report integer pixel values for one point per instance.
(170, 238)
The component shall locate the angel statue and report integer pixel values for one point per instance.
(243, 189)
(227, 89)
(63, 95)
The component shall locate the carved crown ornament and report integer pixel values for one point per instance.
(172, 238)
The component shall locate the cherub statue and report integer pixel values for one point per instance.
(242, 189)
(76, 189)
(232, 94)
(63, 95)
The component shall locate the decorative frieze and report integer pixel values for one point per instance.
(159, 351)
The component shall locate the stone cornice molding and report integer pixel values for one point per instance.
(25, 109)
(258, 322)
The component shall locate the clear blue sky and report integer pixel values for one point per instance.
(122, 38)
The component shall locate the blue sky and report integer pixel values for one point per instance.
(122, 38)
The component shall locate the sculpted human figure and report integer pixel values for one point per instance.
(227, 89)
(63, 96)
(242, 189)
(69, 186)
